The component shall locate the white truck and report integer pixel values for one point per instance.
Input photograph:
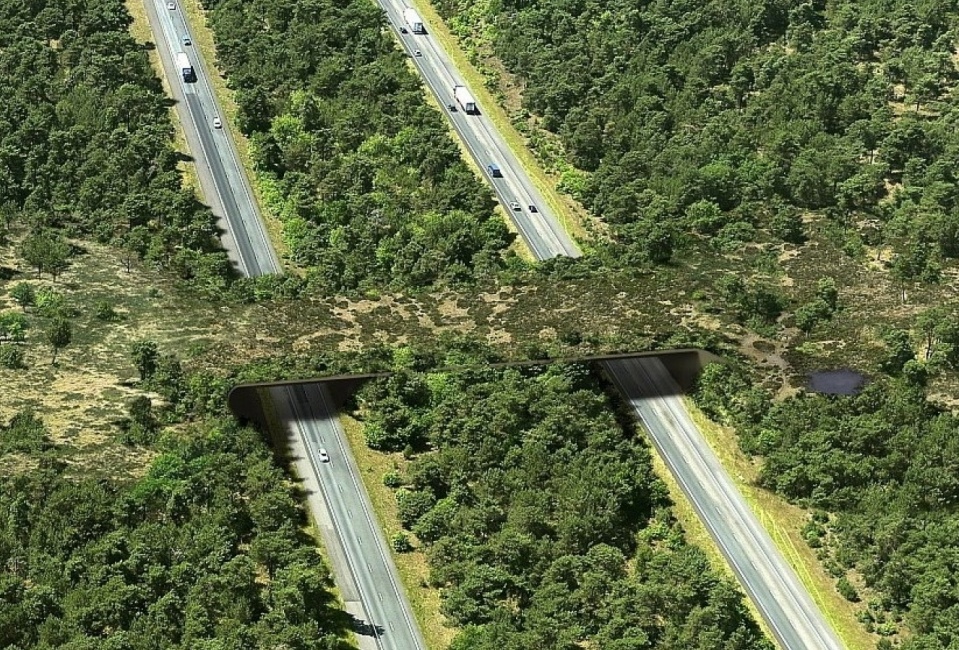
(464, 99)
(186, 68)
(414, 21)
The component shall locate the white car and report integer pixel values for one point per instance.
(324, 457)
(171, 6)
(515, 206)
(217, 124)
(417, 53)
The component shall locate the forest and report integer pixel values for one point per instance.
(540, 515)
(880, 471)
(722, 123)
(371, 188)
(204, 551)
(86, 145)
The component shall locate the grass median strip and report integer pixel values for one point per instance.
(204, 43)
(412, 567)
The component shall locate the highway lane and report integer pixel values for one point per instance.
(360, 562)
(794, 619)
(770, 582)
(222, 179)
(371, 590)
(541, 229)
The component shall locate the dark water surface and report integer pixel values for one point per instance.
(836, 382)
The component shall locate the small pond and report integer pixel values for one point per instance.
(836, 382)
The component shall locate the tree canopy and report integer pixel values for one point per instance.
(709, 117)
(204, 551)
(370, 186)
(541, 517)
(885, 464)
(86, 143)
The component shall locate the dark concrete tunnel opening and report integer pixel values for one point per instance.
(685, 366)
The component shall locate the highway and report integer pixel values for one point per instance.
(371, 591)
(222, 180)
(784, 603)
(360, 562)
(540, 230)
(770, 582)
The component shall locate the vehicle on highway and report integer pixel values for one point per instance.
(414, 21)
(403, 30)
(186, 68)
(171, 6)
(532, 208)
(324, 457)
(464, 98)
(187, 40)
(217, 124)
(494, 170)
(452, 107)
(515, 206)
(417, 53)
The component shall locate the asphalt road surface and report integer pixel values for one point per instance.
(794, 619)
(221, 177)
(361, 564)
(787, 607)
(540, 230)
(371, 591)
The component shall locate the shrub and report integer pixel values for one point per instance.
(846, 590)
(401, 543)
(11, 357)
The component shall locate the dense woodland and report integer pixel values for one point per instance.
(370, 186)
(885, 463)
(86, 144)
(203, 552)
(541, 517)
(723, 121)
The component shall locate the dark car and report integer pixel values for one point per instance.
(532, 208)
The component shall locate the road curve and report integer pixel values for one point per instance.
(540, 230)
(784, 603)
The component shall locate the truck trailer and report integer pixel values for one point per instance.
(186, 68)
(464, 99)
(414, 21)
